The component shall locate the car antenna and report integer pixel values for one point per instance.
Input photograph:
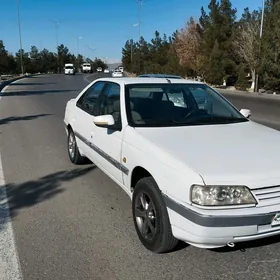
(168, 81)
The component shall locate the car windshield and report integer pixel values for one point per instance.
(69, 67)
(154, 105)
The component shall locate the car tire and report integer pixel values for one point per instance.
(73, 150)
(152, 224)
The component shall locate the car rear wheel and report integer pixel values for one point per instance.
(150, 217)
(73, 151)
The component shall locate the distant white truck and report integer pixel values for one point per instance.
(86, 68)
(121, 68)
(69, 69)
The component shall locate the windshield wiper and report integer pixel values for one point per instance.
(210, 120)
(205, 120)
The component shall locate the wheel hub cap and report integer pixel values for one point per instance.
(145, 216)
(71, 145)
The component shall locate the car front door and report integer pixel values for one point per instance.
(109, 141)
(83, 118)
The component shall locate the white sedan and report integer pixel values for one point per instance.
(207, 176)
(106, 71)
(117, 73)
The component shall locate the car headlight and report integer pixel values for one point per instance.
(221, 195)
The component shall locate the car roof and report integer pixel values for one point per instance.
(160, 76)
(138, 80)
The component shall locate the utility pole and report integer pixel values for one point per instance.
(140, 3)
(92, 49)
(56, 24)
(78, 51)
(131, 51)
(20, 41)
(78, 44)
(261, 33)
(131, 48)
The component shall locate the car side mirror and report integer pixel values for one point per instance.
(104, 121)
(246, 113)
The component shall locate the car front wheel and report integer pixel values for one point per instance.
(150, 217)
(73, 151)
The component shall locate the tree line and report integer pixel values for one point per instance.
(217, 47)
(43, 61)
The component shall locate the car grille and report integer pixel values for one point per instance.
(267, 196)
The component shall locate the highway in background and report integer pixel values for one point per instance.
(73, 222)
(264, 109)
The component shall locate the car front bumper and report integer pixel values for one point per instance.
(214, 231)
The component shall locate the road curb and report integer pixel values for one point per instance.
(8, 82)
(249, 95)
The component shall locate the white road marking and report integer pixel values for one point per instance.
(9, 260)
(86, 77)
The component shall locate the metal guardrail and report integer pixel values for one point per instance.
(7, 77)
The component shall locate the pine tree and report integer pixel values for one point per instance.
(217, 26)
(270, 66)
(215, 70)
(242, 83)
(4, 59)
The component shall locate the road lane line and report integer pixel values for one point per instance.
(86, 77)
(9, 260)
(267, 121)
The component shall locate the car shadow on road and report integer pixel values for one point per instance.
(24, 118)
(33, 92)
(19, 196)
(30, 84)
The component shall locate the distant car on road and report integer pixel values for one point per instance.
(69, 69)
(106, 71)
(99, 69)
(121, 69)
(117, 73)
(86, 68)
(207, 177)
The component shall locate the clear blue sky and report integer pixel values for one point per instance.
(104, 24)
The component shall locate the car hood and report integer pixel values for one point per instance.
(231, 154)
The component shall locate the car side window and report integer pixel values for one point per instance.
(88, 100)
(110, 103)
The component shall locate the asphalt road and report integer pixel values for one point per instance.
(265, 110)
(73, 222)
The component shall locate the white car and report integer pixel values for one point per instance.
(86, 67)
(210, 178)
(69, 69)
(99, 69)
(117, 73)
(106, 71)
